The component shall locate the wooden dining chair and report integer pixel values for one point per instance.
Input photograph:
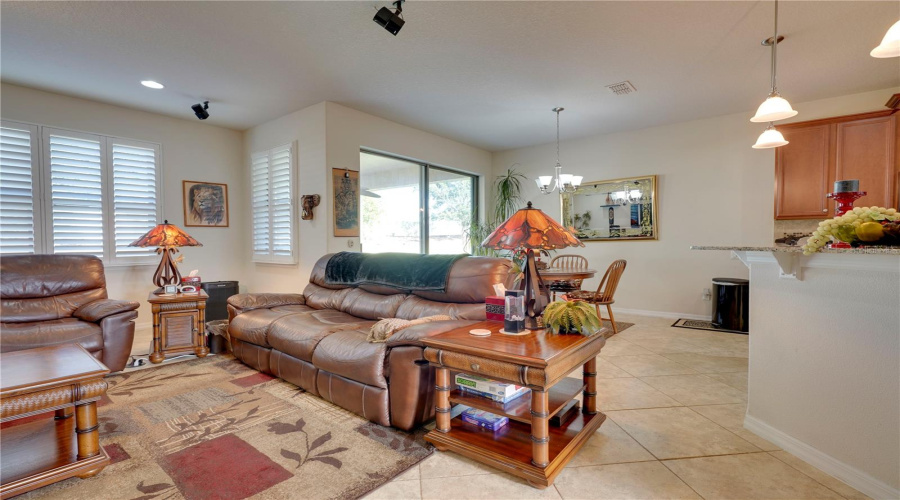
(604, 296)
(567, 261)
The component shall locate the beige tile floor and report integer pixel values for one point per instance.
(675, 401)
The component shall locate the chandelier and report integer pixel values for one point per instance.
(565, 183)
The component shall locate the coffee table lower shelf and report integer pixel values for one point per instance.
(41, 452)
(509, 449)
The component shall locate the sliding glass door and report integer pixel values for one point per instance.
(414, 207)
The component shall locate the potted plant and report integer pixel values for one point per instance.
(571, 317)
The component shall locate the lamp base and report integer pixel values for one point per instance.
(166, 272)
(536, 294)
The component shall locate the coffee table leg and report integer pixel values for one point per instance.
(442, 399)
(64, 413)
(87, 429)
(540, 431)
(590, 391)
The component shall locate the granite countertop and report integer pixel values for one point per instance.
(787, 249)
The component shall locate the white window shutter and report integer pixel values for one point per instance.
(19, 188)
(135, 203)
(74, 166)
(272, 184)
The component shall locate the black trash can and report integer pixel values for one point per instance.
(731, 304)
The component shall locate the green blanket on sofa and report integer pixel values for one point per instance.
(406, 271)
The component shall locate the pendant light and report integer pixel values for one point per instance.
(890, 45)
(566, 183)
(775, 107)
(770, 138)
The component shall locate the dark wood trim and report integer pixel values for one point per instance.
(893, 102)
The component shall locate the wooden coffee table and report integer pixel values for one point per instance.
(55, 378)
(528, 446)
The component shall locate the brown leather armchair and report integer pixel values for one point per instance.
(61, 299)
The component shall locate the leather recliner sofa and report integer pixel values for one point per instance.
(317, 339)
(61, 299)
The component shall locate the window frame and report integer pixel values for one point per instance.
(42, 201)
(424, 195)
(270, 257)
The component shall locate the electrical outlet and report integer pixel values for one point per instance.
(707, 294)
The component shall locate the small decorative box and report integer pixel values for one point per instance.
(484, 419)
(495, 308)
(190, 280)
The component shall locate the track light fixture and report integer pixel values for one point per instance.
(391, 21)
(201, 110)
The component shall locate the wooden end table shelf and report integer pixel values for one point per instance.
(57, 378)
(179, 325)
(527, 446)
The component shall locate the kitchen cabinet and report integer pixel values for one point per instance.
(819, 152)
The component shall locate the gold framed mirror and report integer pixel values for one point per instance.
(613, 210)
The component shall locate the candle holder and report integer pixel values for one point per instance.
(843, 204)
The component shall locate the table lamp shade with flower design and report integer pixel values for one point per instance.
(166, 238)
(531, 229)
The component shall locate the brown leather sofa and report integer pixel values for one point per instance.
(61, 299)
(317, 339)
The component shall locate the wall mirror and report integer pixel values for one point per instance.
(613, 210)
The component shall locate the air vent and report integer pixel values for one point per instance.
(622, 88)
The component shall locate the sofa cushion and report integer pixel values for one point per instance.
(471, 279)
(319, 297)
(19, 336)
(371, 305)
(417, 307)
(348, 354)
(45, 287)
(299, 334)
(253, 326)
(293, 309)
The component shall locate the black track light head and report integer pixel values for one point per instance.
(390, 21)
(201, 110)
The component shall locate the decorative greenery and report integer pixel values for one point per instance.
(570, 317)
(479, 231)
(583, 221)
(507, 194)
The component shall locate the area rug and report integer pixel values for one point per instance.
(621, 325)
(695, 324)
(213, 428)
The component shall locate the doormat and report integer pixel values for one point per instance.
(696, 324)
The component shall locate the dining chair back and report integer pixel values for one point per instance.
(569, 261)
(605, 294)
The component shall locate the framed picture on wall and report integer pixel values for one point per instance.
(613, 210)
(345, 184)
(205, 204)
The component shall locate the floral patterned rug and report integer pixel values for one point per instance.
(214, 428)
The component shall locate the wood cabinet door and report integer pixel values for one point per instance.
(177, 329)
(865, 151)
(802, 173)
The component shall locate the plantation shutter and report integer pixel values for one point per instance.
(282, 234)
(272, 205)
(19, 221)
(75, 167)
(260, 203)
(135, 203)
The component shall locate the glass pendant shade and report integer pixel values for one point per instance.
(544, 181)
(890, 45)
(774, 108)
(565, 179)
(770, 138)
(576, 180)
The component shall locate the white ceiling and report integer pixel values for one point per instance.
(483, 73)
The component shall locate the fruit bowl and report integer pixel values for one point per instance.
(862, 226)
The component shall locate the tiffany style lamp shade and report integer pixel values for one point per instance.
(531, 229)
(166, 238)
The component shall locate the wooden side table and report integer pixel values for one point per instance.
(179, 325)
(54, 378)
(527, 446)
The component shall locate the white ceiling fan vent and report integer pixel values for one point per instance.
(621, 88)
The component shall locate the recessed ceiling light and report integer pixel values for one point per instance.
(151, 84)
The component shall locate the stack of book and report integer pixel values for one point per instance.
(484, 419)
(497, 391)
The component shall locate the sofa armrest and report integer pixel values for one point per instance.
(413, 335)
(99, 309)
(244, 302)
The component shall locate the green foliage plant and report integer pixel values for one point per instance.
(571, 317)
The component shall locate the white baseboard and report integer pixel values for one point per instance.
(660, 314)
(854, 477)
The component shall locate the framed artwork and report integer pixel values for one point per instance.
(345, 184)
(205, 204)
(613, 210)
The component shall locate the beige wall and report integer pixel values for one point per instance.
(330, 136)
(714, 189)
(191, 150)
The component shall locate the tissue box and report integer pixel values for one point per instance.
(190, 281)
(495, 308)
